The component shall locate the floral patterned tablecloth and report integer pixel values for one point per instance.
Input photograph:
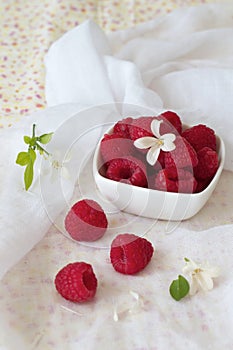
(29, 27)
(27, 297)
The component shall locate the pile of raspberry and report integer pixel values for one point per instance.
(189, 168)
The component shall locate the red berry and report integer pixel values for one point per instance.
(200, 136)
(115, 146)
(160, 163)
(171, 123)
(163, 182)
(182, 156)
(207, 164)
(175, 180)
(76, 282)
(122, 127)
(187, 186)
(140, 127)
(129, 170)
(130, 254)
(86, 221)
(201, 185)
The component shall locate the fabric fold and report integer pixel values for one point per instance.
(182, 61)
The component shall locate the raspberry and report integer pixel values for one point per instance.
(163, 182)
(76, 282)
(86, 221)
(201, 185)
(171, 123)
(182, 156)
(122, 127)
(160, 161)
(115, 146)
(130, 254)
(140, 127)
(200, 136)
(207, 164)
(173, 180)
(129, 170)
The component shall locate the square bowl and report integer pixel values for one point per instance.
(152, 203)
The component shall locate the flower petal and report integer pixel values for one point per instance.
(153, 154)
(168, 146)
(190, 266)
(205, 281)
(65, 173)
(155, 126)
(193, 287)
(145, 142)
(169, 136)
(213, 271)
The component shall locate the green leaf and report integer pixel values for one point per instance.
(28, 158)
(179, 288)
(33, 141)
(23, 158)
(45, 138)
(32, 155)
(28, 175)
(27, 139)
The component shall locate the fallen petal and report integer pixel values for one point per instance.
(205, 281)
(193, 286)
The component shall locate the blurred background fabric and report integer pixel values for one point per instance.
(29, 27)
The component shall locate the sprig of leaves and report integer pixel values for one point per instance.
(28, 158)
(179, 288)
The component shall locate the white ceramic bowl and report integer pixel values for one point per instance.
(152, 203)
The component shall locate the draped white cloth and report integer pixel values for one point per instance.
(183, 62)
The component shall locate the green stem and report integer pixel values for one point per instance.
(33, 130)
(42, 149)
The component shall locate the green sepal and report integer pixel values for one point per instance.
(23, 158)
(179, 288)
(45, 138)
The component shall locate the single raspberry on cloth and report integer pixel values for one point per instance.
(130, 254)
(122, 127)
(115, 146)
(207, 164)
(200, 136)
(86, 221)
(76, 282)
(184, 155)
(171, 123)
(129, 170)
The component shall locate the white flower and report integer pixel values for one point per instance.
(201, 275)
(155, 144)
(57, 166)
